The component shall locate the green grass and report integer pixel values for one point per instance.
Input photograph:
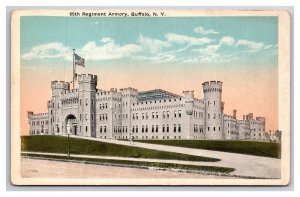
(59, 144)
(265, 149)
(214, 169)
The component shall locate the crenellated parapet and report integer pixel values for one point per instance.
(60, 85)
(87, 78)
(212, 86)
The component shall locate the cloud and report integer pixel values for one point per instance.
(268, 46)
(109, 50)
(227, 40)
(182, 39)
(106, 39)
(50, 50)
(174, 48)
(250, 44)
(202, 30)
(152, 45)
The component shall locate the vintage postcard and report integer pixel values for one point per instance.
(150, 97)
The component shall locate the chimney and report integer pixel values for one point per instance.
(250, 116)
(234, 114)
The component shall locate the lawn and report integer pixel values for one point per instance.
(214, 169)
(265, 149)
(59, 144)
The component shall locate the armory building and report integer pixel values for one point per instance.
(128, 113)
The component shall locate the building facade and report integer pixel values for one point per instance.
(128, 113)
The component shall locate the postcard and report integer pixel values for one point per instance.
(150, 97)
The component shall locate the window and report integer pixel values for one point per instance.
(146, 115)
(167, 128)
(133, 116)
(152, 128)
(179, 128)
(179, 113)
(174, 128)
(86, 102)
(214, 128)
(208, 116)
(207, 128)
(168, 115)
(143, 116)
(214, 102)
(156, 115)
(100, 129)
(105, 129)
(214, 115)
(146, 130)
(86, 129)
(152, 115)
(163, 128)
(133, 129)
(93, 117)
(143, 129)
(175, 114)
(137, 116)
(156, 129)
(164, 115)
(86, 116)
(136, 129)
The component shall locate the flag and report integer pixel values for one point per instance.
(79, 60)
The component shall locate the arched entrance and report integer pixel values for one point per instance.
(71, 123)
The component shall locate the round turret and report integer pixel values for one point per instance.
(213, 109)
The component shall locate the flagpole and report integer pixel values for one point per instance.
(73, 67)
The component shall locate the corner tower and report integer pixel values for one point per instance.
(213, 109)
(87, 105)
(54, 106)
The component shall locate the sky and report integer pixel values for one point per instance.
(171, 53)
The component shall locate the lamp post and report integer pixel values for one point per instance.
(68, 131)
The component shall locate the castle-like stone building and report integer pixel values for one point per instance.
(128, 113)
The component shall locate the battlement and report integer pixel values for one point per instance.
(87, 78)
(212, 86)
(38, 115)
(113, 92)
(188, 95)
(69, 93)
(60, 85)
(262, 119)
(212, 83)
(129, 89)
